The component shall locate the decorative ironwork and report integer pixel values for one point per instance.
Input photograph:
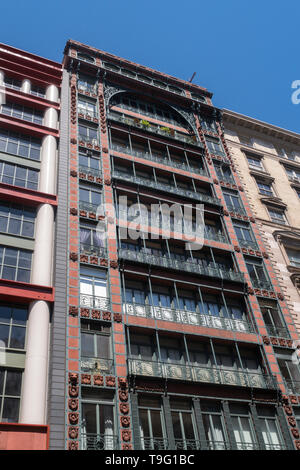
(188, 317)
(92, 301)
(96, 364)
(215, 375)
(99, 442)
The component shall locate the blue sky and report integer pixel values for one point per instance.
(245, 52)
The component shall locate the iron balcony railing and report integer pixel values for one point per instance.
(279, 331)
(159, 443)
(154, 443)
(94, 301)
(155, 129)
(239, 210)
(87, 88)
(187, 317)
(159, 159)
(261, 284)
(226, 178)
(187, 266)
(90, 171)
(158, 223)
(86, 249)
(96, 364)
(148, 182)
(88, 206)
(192, 373)
(99, 441)
(248, 244)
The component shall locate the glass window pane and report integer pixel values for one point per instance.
(11, 410)
(17, 339)
(13, 383)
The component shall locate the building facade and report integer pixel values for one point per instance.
(29, 135)
(153, 344)
(267, 159)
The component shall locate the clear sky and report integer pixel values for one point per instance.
(245, 52)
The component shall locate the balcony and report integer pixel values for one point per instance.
(163, 131)
(87, 170)
(97, 365)
(93, 301)
(158, 159)
(154, 222)
(99, 442)
(144, 112)
(187, 266)
(191, 373)
(185, 317)
(154, 443)
(226, 178)
(148, 182)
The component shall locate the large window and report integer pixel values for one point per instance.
(244, 235)
(93, 288)
(243, 427)
(257, 273)
(294, 257)
(255, 163)
(95, 347)
(92, 239)
(265, 188)
(10, 391)
(277, 216)
(89, 161)
(13, 83)
(37, 91)
(89, 198)
(233, 201)
(269, 427)
(214, 425)
(98, 420)
(88, 134)
(87, 107)
(17, 220)
(22, 112)
(18, 175)
(273, 318)
(214, 146)
(86, 84)
(21, 145)
(152, 425)
(184, 426)
(13, 326)
(15, 264)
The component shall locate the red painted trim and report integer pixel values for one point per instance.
(27, 127)
(28, 196)
(19, 427)
(29, 56)
(30, 100)
(12, 69)
(25, 291)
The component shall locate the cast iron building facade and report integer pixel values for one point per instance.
(165, 347)
(152, 346)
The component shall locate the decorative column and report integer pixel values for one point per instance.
(34, 393)
(26, 86)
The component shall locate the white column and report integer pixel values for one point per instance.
(52, 93)
(2, 89)
(47, 183)
(26, 86)
(1, 78)
(50, 118)
(34, 389)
